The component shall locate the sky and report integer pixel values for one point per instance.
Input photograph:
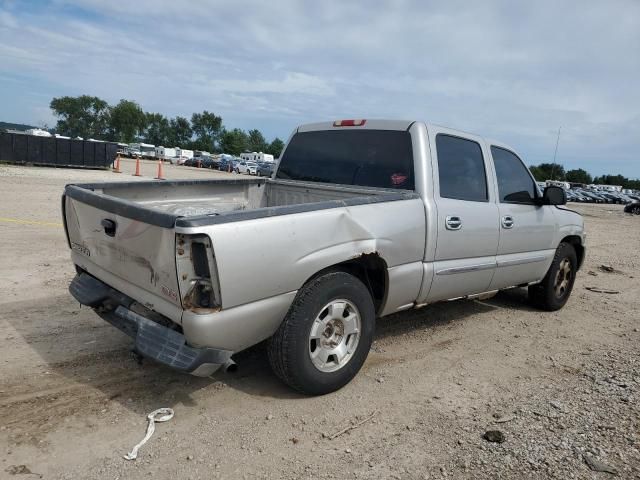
(513, 71)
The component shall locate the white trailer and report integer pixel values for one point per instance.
(558, 183)
(256, 157)
(142, 150)
(148, 150)
(609, 188)
(165, 153)
(181, 152)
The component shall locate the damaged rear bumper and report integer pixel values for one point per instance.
(152, 340)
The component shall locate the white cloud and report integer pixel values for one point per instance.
(510, 70)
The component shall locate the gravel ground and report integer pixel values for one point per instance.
(556, 392)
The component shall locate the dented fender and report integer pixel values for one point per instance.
(266, 257)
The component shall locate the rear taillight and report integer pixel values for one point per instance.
(197, 274)
(349, 123)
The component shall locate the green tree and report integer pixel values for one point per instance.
(84, 116)
(256, 141)
(180, 132)
(234, 141)
(275, 147)
(547, 171)
(578, 175)
(612, 180)
(207, 128)
(157, 131)
(127, 121)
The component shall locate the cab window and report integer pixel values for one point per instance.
(461, 171)
(515, 184)
(371, 158)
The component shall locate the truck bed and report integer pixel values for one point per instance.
(206, 202)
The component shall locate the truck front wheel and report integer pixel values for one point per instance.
(553, 292)
(326, 336)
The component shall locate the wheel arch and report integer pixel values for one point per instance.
(370, 269)
(576, 242)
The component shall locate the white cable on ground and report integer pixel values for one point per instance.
(160, 415)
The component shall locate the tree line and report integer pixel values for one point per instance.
(92, 117)
(554, 171)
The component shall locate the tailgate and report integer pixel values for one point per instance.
(134, 257)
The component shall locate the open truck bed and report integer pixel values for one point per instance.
(187, 203)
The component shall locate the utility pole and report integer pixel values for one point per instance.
(553, 165)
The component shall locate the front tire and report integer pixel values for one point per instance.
(325, 338)
(553, 292)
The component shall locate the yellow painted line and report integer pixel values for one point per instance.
(29, 222)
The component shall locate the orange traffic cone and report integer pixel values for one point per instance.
(116, 164)
(160, 172)
(137, 174)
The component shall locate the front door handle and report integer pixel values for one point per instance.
(507, 221)
(453, 222)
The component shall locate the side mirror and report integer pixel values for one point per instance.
(554, 196)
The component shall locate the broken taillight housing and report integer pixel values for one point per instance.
(197, 273)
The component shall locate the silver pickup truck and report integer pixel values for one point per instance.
(361, 218)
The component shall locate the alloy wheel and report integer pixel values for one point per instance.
(334, 335)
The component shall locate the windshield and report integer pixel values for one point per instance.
(372, 158)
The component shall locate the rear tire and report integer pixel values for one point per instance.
(553, 292)
(325, 338)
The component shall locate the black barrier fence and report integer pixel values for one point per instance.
(60, 152)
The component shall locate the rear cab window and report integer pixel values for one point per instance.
(461, 169)
(371, 158)
(515, 183)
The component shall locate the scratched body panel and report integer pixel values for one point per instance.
(141, 254)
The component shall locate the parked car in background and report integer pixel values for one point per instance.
(265, 169)
(633, 208)
(207, 161)
(177, 160)
(593, 197)
(250, 168)
(133, 151)
(190, 162)
(225, 165)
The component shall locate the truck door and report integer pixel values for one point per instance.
(467, 215)
(527, 230)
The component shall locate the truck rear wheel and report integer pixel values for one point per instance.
(326, 336)
(553, 292)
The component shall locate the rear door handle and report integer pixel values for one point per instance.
(507, 221)
(453, 222)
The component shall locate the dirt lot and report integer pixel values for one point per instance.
(562, 387)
